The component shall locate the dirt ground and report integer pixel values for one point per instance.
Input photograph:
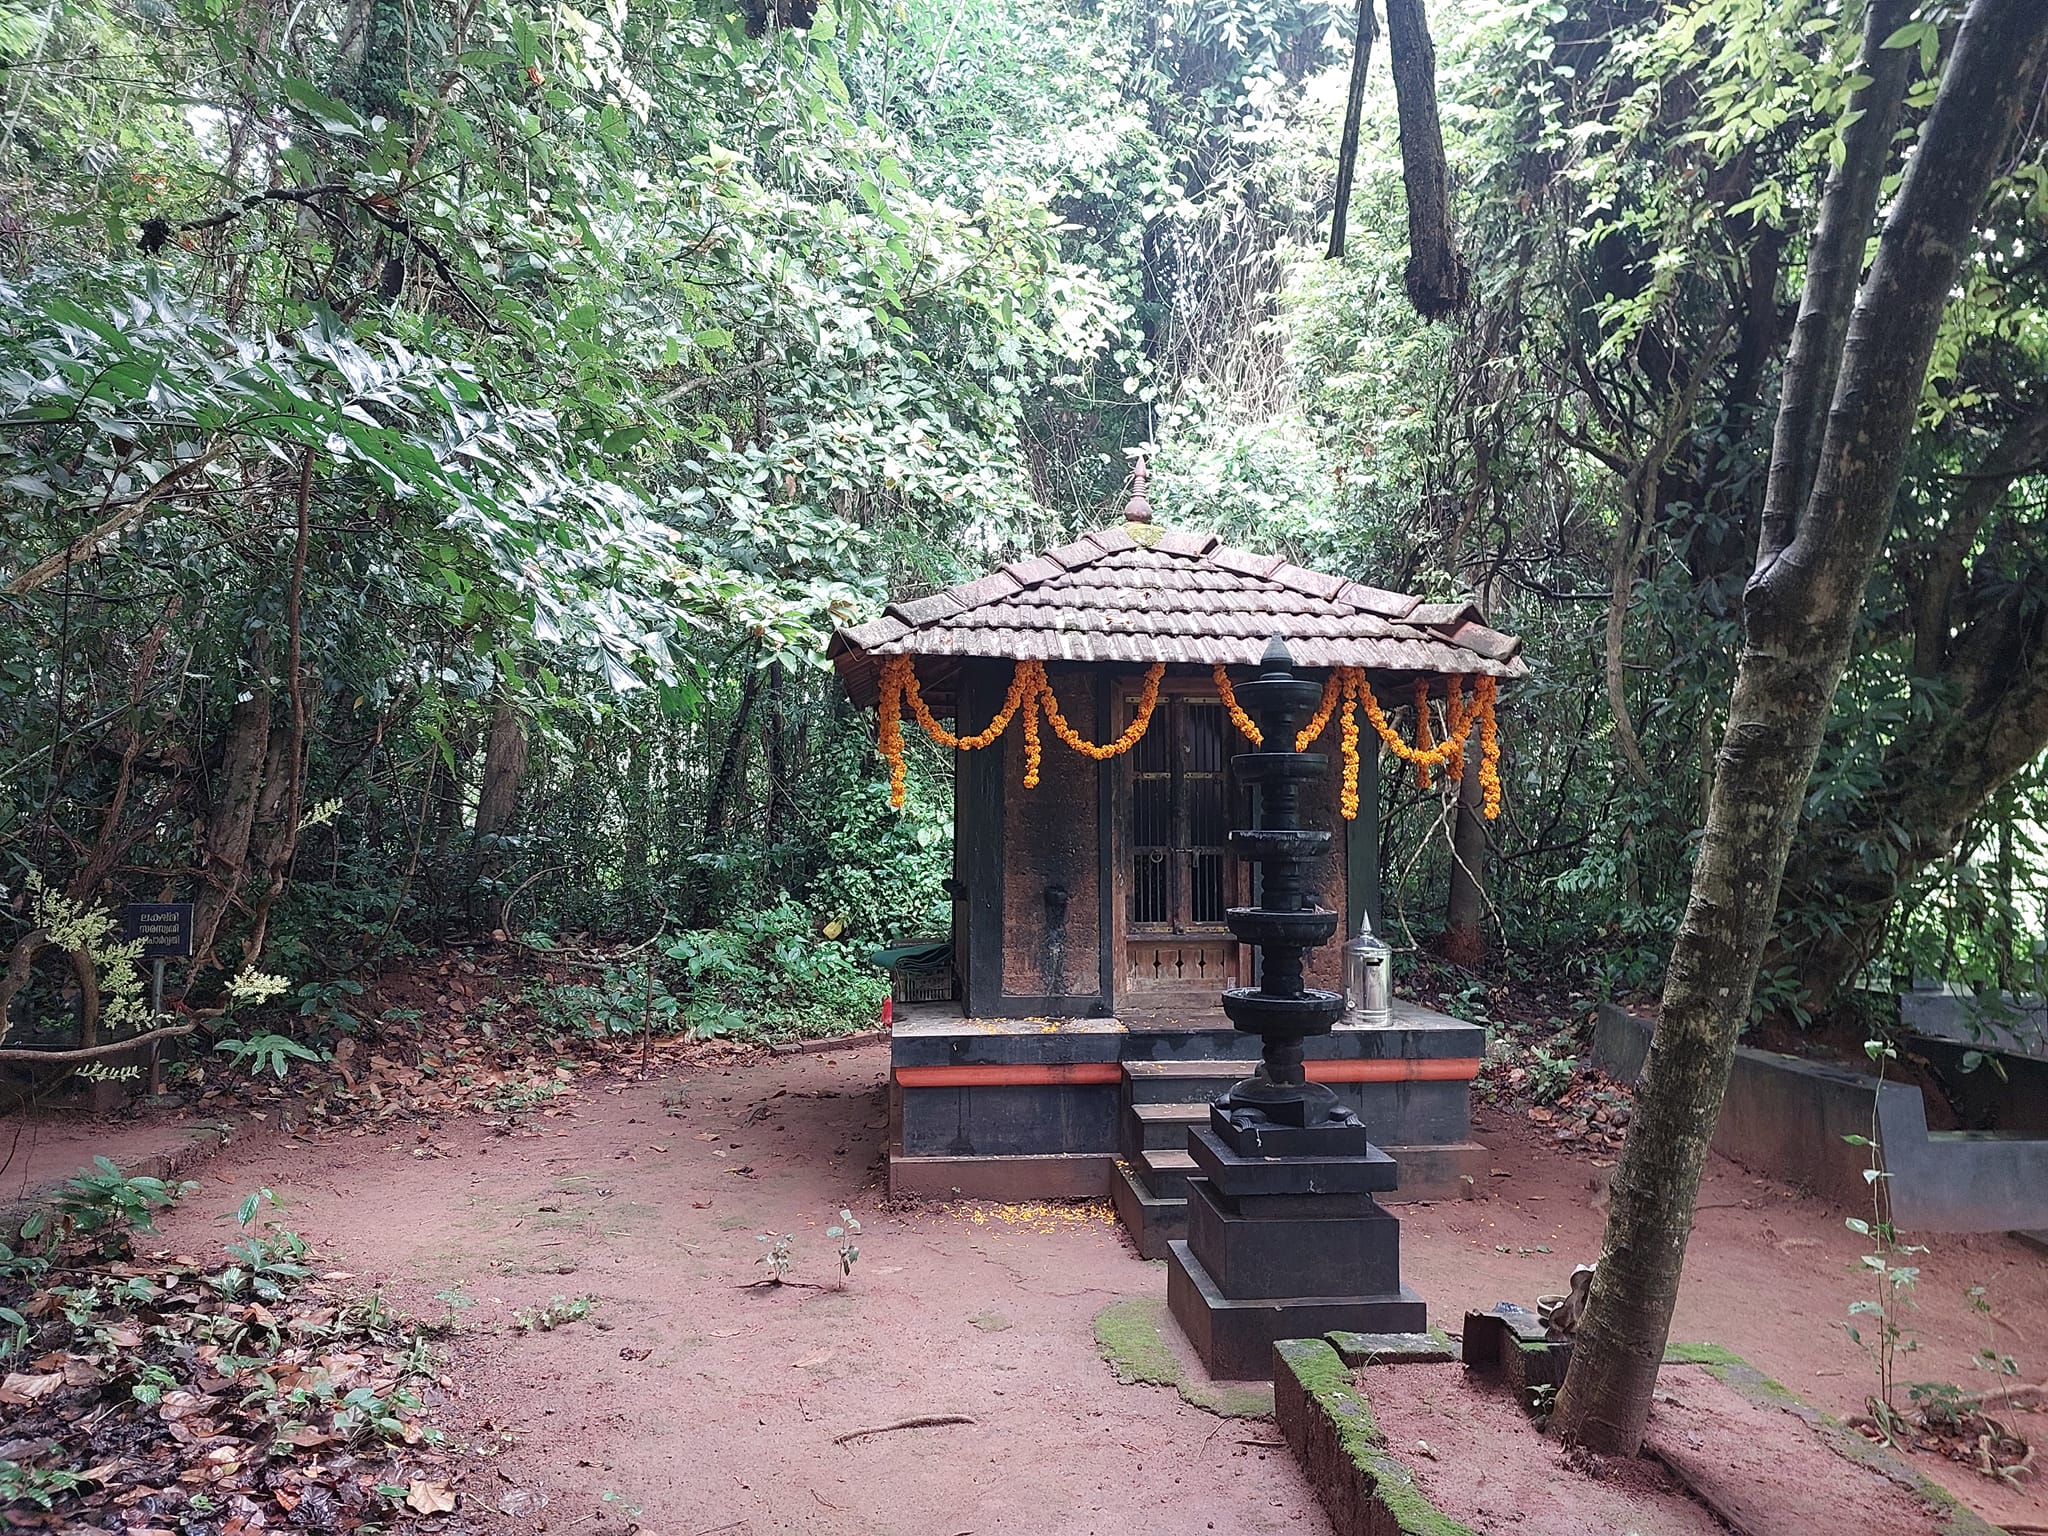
(1487, 1466)
(690, 1404)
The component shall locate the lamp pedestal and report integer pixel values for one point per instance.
(1284, 1237)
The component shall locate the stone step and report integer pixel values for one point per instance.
(1165, 1172)
(1180, 1082)
(1165, 1126)
(1151, 1221)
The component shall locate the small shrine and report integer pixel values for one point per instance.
(1088, 697)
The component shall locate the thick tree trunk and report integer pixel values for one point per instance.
(1800, 614)
(505, 758)
(1436, 276)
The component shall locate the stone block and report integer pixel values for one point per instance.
(1234, 1339)
(1260, 1258)
(1238, 1176)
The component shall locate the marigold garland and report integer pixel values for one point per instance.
(1148, 700)
(1462, 708)
(1337, 685)
(1244, 722)
(1030, 691)
(1489, 748)
(1346, 688)
(1423, 740)
(1347, 797)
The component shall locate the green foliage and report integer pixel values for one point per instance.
(558, 1311)
(460, 399)
(104, 1205)
(846, 1233)
(771, 973)
(1885, 1333)
(268, 1053)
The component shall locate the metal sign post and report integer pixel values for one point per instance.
(164, 930)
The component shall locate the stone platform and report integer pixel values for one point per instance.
(1034, 1109)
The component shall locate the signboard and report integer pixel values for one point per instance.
(164, 927)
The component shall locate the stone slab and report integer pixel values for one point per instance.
(1235, 1339)
(1236, 1175)
(1357, 1349)
(1252, 1135)
(1152, 1221)
(1786, 1118)
(1018, 1120)
(1258, 1257)
(1330, 1429)
(1510, 1345)
(1010, 1180)
(2016, 1025)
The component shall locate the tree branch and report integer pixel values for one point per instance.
(129, 513)
(1354, 116)
(1834, 266)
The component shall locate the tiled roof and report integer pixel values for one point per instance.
(1173, 597)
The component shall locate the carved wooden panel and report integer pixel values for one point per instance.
(1180, 964)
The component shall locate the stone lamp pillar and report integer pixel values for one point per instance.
(1284, 1237)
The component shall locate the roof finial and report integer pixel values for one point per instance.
(1138, 509)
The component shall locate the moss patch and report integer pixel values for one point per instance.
(1733, 1369)
(1957, 1518)
(1133, 1340)
(1327, 1383)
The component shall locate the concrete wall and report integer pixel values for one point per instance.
(1785, 1118)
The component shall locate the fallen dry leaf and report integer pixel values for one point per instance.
(20, 1388)
(427, 1498)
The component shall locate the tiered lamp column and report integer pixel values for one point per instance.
(1284, 1237)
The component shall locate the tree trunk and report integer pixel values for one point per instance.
(230, 819)
(1814, 561)
(775, 753)
(1354, 117)
(505, 758)
(1436, 276)
(1464, 940)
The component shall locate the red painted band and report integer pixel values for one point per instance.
(1022, 1074)
(1398, 1069)
(1017, 1074)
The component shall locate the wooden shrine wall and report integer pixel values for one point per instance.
(1052, 947)
(1019, 953)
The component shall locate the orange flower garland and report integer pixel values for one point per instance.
(1423, 742)
(889, 733)
(1336, 686)
(1031, 691)
(1489, 748)
(1034, 750)
(1148, 700)
(906, 686)
(1461, 710)
(1244, 722)
(1347, 794)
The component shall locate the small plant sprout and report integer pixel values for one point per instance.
(1989, 1358)
(273, 1052)
(845, 1234)
(558, 1311)
(1888, 1336)
(777, 1260)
